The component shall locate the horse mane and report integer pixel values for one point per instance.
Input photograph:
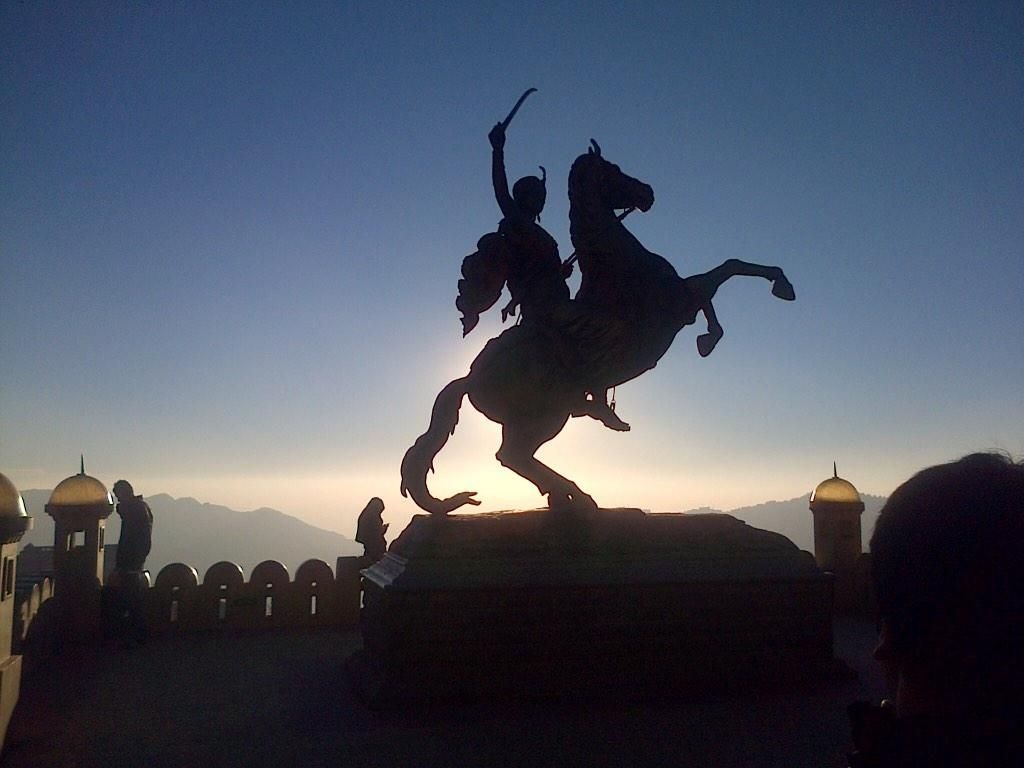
(582, 164)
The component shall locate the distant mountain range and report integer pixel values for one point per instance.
(793, 519)
(197, 534)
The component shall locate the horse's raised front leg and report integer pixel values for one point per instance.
(709, 282)
(520, 442)
(706, 341)
(704, 287)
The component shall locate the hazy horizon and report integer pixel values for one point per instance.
(344, 522)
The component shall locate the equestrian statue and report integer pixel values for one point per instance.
(564, 354)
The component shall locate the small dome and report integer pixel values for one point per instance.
(836, 495)
(78, 491)
(836, 490)
(11, 503)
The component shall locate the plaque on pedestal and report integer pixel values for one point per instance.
(614, 602)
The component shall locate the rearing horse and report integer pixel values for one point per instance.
(629, 308)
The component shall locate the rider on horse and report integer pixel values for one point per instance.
(536, 278)
(535, 274)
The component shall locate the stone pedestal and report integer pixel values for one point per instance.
(617, 603)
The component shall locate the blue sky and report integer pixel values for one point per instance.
(230, 236)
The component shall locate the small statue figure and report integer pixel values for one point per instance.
(370, 530)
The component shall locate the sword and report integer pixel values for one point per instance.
(507, 120)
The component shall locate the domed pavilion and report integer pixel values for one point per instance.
(79, 506)
(837, 507)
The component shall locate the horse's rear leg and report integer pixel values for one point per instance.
(520, 442)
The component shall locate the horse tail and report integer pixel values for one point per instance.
(419, 459)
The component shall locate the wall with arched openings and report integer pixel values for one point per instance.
(316, 596)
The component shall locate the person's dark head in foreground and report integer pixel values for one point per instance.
(123, 490)
(946, 558)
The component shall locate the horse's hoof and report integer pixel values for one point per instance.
(571, 504)
(559, 502)
(706, 343)
(783, 289)
(612, 421)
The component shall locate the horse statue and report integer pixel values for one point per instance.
(630, 305)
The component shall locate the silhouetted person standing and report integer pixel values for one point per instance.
(129, 582)
(945, 561)
(370, 530)
(136, 528)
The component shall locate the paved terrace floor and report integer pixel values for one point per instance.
(282, 699)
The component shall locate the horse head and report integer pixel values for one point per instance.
(597, 183)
